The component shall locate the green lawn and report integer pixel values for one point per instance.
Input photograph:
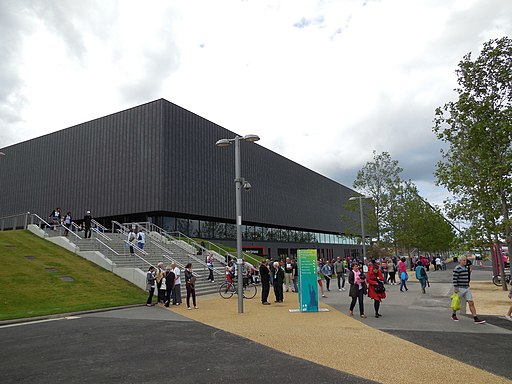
(28, 289)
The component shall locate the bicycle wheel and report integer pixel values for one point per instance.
(497, 280)
(225, 290)
(250, 291)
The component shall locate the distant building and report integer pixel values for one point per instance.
(158, 162)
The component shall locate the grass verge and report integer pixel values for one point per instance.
(31, 280)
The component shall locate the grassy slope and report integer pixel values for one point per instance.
(27, 289)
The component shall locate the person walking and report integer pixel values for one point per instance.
(176, 293)
(278, 282)
(461, 287)
(67, 222)
(131, 239)
(356, 291)
(288, 274)
(265, 282)
(190, 284)
(438, 263)
(160, 275)
(141, 238)
(385, 269)
(392, 272)
(422, 276)
(295, 275)
(209, 264)
(150, 285)
(376, 289)
(319, 279)
(339, 270)
(87, 225)
(55, 218)
(402, 270)
(169, 285)
(327, 272)
(508, 316)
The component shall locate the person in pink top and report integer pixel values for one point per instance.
(402, 271)
(357, 290)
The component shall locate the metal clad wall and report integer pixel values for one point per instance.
(159, 157)
(200, 179)
(106, 165)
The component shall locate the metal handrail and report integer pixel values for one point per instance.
(149, 227)
(40, 219)
(98, 225)
(222, 252)
(106, 246)
(118, 224)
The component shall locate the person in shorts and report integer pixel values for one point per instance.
(461, 287)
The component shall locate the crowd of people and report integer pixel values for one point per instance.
(364, 279)
(166, 282)
(56, 219)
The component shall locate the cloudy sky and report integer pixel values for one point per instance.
(322, 82)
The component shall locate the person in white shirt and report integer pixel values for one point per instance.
(176, 294)
(438, 263)
(131, 240)
(141, 239)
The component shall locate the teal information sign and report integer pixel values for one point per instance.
(308, 286)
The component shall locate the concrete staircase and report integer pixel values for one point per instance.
(112, 246)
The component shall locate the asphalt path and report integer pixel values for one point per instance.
(146, 345)
(424, 319)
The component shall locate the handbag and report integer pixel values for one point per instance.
(404, 276)
(379, 287)
(455, 305)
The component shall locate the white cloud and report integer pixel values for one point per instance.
(322, 82)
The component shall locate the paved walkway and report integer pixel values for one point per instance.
(414, 342)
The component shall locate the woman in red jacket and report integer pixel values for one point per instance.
(376, 290)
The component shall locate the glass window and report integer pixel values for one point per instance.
(230, 231)
(182, 226)
(193, 228)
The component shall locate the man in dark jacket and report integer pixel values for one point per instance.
(265, 282)
(87, 225)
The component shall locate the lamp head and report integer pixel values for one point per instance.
(223, 143)
(251, 138)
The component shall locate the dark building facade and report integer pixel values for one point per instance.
(158, 162)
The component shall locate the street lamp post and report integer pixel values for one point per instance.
(363, 237)
(239, 183)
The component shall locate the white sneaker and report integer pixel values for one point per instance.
(339, 289)
(343, 289)
(324, 296)
(509, 318)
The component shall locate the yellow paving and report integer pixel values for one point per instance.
(366, 352)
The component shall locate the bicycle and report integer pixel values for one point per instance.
(496, 279)
(227, 290)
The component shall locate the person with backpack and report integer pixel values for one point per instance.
(421, 275)
(141, 239)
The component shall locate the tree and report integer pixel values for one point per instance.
(477, 167)
(413, 223)
(376, 179)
